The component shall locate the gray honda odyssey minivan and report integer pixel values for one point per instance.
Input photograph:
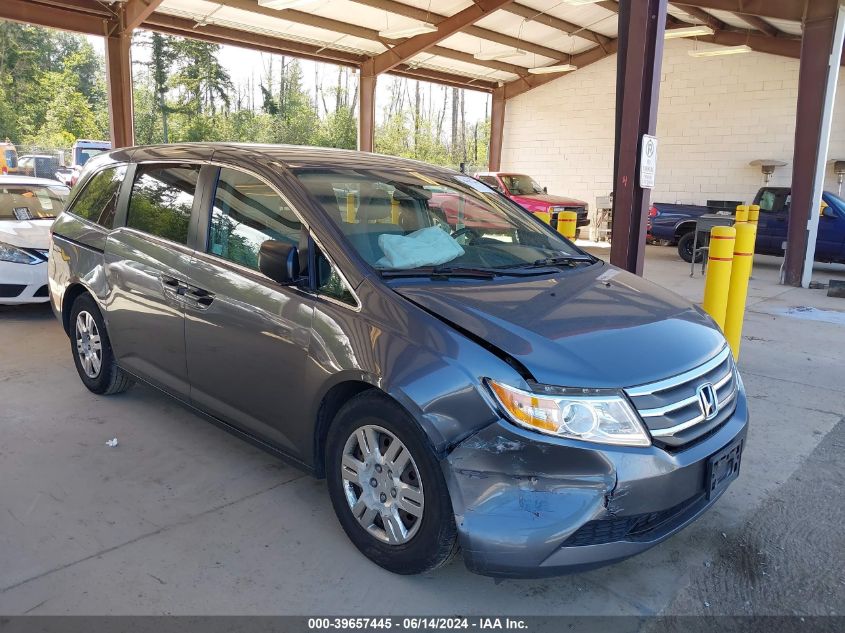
(461, 375)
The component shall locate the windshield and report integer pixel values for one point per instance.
(11, 158)
(399, 220)
(84, 154)
(23, 202)
(521, 185)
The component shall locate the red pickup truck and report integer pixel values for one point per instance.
(525, 191)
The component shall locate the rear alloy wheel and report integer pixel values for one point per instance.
(387, 487)
(91, 348)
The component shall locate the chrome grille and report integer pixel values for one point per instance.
(672, 408)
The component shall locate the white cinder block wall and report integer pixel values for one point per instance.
(715, 116)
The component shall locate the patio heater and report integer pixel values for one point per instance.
(839, 170)
(767, 166)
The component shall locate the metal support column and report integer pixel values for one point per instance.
(119, 80)
(821, 51)
(497, 127)
(366, 110)
(639, 58)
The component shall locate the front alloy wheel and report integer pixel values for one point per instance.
(387, 486)
(382, 485)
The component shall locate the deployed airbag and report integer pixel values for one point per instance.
(427, 247)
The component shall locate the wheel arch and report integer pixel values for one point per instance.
(682, 228)
(331, 402)
(71, 294)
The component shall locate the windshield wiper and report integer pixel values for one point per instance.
(439, 272)
(562, 260)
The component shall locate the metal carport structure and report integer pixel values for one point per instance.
(450, 49)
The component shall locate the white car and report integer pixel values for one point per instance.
(28, 207)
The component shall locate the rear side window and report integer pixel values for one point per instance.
(98, 200)
(161, 200)
(246, 213)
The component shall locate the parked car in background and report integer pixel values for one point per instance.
(525, 191)
(39, 166)
(489, 385)
(28, 207)
(82, 151)
(8, 158)
(676, 224)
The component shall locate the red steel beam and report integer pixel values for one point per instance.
(590, 56)
(638, 62)
(816, 50)
(417, 13)
(52, 16)
(366, 112)
(119, 81)
(760, 24)
(405, 50)
(136, 11)
(782, 9)
(497, 128)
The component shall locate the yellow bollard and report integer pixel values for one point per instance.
(544, 217)
(753, 218)
(567, 224)
(394, 211)
(741, 214)
(754, 214)
(350, 207)
(717, 281)
(738, 292)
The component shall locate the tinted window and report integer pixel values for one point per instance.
(246, 213)
(161, 200)
(98, 200)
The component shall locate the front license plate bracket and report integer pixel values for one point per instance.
(723, 468)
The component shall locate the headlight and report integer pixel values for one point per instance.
(9, 253)
(592, 415)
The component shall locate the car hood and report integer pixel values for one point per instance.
(593, 327)
(547, 200)
(26, 233)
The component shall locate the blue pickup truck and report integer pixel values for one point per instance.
(675, 223)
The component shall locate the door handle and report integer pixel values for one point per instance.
(173, 285)
(201, 298)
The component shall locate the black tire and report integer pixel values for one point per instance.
(435, 541)
(685, 244)
(577, 235)
(110, 378)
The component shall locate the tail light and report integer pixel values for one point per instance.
(653, 212)
(5, 169)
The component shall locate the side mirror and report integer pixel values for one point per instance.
(545, 190)
(279, 261)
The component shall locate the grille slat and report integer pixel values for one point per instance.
(671, 409)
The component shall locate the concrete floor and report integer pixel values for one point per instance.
(182, 518)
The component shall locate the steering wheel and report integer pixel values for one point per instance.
(471, 232)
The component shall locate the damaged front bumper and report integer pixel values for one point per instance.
(528, 505)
